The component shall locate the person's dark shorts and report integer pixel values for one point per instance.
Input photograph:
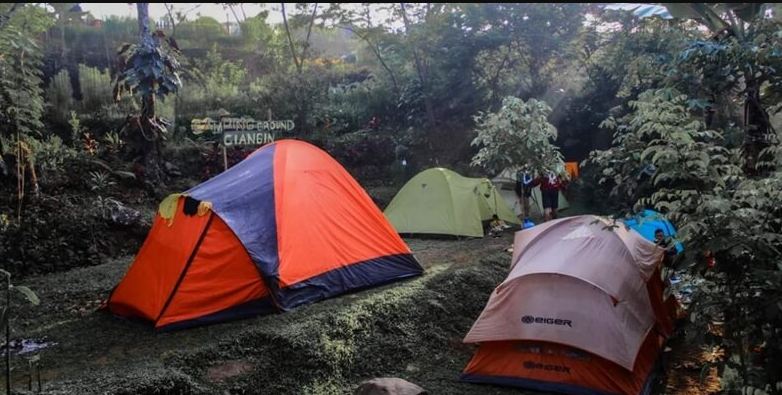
(523, 191)
(550, 199)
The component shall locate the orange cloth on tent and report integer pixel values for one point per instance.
(312, 211)
(220, 276)
(572, 169)
(559, 364)
(158, 265)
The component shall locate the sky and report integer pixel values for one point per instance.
(158, 10)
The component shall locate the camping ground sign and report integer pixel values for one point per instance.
(240, 131)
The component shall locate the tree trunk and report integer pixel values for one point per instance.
(151, 137)
(756, 129)
(290, 39)
(430, 116)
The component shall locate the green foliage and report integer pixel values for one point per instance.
(76, 130)
(95, 88)
(59, 95)
(256, 31)
(218, 83)
(100, 181)
(113, 142)
(518, 135)
(51, 155)
(201, 32)
(658, 147)
(148, 70)
(698, 182)
(21, 93)
(534, 46)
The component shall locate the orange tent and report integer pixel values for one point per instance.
(284, 227)
(581, 312)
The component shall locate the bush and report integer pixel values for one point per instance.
(368, 155)
(59, 96)
(57, 234)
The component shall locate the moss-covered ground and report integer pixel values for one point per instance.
(411, 329)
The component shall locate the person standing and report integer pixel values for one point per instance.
(524, 185)
(550, 185)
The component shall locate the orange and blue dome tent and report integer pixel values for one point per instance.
(285, 227)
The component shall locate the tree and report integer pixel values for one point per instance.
(21, 93)
(303, 19)
(534, 48)
(742, 56)
(149, 70)
(299, 20)
(421, 67)
(616, 65)
(519, 136)
(698, 183)
(361, 23)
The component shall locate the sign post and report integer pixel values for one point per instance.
(225, 158)
(240, 131)
(225, 150)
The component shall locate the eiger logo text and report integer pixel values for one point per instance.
(542, 366)
(528, 319)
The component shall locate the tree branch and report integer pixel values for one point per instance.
(7, 17)
(309, 32)
(290, 39)
(376, 50)
(236, 17)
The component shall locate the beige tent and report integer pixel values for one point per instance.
(506, 182)
(576, 288)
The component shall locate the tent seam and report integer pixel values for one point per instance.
(184, 270)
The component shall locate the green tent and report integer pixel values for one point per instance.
(440, 201)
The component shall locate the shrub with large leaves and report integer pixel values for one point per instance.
(518, 135)
(698, 182)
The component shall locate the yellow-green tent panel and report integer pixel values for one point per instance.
(440, 201)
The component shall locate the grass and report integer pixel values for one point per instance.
(411, 330)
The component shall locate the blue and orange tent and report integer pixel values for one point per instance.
(285, 227)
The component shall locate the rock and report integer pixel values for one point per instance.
(172, 169)
(389, 386)
(125, 175)
(123, 215)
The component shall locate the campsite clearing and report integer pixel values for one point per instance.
(324, 348)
